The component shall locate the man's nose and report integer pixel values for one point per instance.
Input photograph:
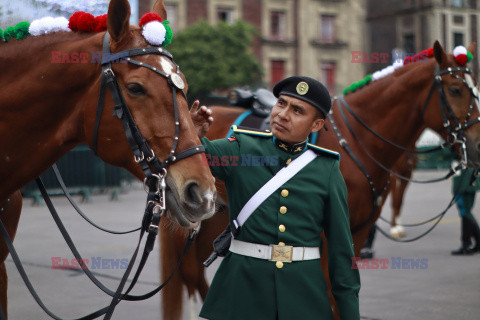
(283, 114)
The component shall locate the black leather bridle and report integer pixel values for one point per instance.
(154, 170)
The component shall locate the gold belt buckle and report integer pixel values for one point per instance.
(281, 253)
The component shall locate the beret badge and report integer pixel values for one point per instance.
(302, 88)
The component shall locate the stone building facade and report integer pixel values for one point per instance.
(296, 37)
(414, 25)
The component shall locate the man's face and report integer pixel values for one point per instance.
(292, 120)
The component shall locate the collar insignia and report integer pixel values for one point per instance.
(292, 149)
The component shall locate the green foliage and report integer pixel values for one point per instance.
(216, 57)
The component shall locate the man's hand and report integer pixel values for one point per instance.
(201, 118)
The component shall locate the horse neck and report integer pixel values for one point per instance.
(41, 103)
(392, 107)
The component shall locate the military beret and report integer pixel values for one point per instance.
(306, 89)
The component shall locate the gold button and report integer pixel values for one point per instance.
(279, 264)
(283, 209)
(281, 243)
(288, 161)
(284, 193)
(281, 228)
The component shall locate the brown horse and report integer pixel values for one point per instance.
(51, 108)
(398, 107)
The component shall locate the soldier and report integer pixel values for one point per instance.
(273, 270)
(464, 188)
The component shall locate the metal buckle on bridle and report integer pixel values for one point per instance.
(139, 159)
(149, 159)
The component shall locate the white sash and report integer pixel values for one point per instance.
(282, 176)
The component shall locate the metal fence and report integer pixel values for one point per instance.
(84, 173)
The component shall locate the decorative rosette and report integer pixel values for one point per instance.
(462, 56)
(156, 31)
(83, 21)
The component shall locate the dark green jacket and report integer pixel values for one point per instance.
(461, 183)
(247, 288)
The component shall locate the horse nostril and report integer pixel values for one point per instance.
(192, 194)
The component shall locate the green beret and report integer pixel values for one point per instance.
(306, 89)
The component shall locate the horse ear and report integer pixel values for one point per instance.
(118, 19)
(159, 8)
(471, 48)
(439, 53)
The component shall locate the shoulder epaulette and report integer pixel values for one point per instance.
(323, 151)
(264, 133)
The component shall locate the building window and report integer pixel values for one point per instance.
(277, 25)
(409, 43)
(225, 15)
(172, 15)
(277, 71)
(327, 28)
(458, 20)
(457, 39)
(456, 3)
(327, 76)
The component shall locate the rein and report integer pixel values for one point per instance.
(456, 137)
(155, 184)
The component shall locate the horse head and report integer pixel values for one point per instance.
(147, 82)
(459, 114)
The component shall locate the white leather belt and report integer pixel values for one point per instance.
(274, 252)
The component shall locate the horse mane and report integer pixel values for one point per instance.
(14, 47)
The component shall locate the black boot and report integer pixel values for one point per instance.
(476, 235)
(465, 249)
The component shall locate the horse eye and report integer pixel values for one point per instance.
(136, 89)
(454, 91)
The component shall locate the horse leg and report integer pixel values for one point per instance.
(396, 204)
(172, 294)
(10, 218)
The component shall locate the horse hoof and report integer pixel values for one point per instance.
(394, 233)
(401, 231)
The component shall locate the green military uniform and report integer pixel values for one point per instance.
(465, 192)
(315, 199)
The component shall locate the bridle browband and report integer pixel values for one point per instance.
(155, 183)
(455, 135)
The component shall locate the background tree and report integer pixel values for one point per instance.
(216, 57)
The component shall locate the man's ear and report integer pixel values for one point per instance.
(317, 125)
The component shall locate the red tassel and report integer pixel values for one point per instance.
(73, 21)
(407, 60)
(101, 23)
(149, 16)
(86, 22)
